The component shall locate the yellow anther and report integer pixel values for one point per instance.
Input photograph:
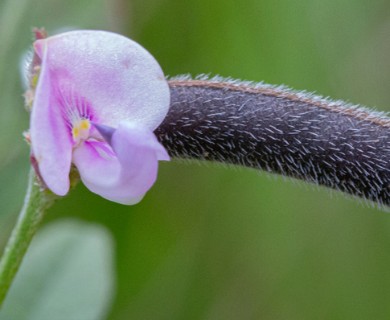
(75, 132)
(80, 130)
(84, 124)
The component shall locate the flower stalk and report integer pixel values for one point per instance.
(36, 203)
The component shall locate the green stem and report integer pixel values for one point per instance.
(36, 202)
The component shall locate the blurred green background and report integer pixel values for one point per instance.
(208, 242)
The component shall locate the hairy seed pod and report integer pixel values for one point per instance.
(297, 134)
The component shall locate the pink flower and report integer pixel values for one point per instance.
(98, 99)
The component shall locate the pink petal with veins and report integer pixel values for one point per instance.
(118, 76)
(126, 177)
(51, 142)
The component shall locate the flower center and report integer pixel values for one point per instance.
(80, 130)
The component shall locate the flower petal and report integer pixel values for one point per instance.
(50, 140)
(119, 77)
(126, 176)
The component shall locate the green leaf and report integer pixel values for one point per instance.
(67, 274)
